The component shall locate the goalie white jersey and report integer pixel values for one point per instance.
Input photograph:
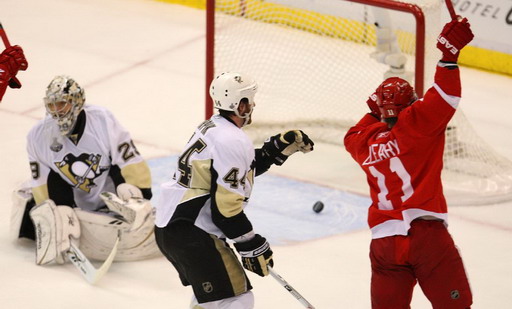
(213, 181)
(74, 170)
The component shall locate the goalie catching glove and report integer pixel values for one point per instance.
(256, 255)
(279, 147)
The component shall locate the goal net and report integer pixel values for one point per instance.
(317, 61)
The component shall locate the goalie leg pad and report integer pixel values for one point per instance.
(54, 225)
(21, 225)
(100, 231)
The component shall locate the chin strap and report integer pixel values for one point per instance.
(247, 116)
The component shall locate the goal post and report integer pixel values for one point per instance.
(317, 61)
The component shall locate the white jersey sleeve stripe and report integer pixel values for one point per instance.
(452, 100)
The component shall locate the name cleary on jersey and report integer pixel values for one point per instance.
(379, 152)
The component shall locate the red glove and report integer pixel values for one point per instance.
(12, 60)
(372, 104)
(455, 35)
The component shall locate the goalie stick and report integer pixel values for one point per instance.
(289, 288)
(90, 273)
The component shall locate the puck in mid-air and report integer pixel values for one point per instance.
(318, 207)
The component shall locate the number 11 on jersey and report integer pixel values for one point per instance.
(396, 166)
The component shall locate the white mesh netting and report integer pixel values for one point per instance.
(312, 62)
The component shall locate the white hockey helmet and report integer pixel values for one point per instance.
(64, 89)
(229, 88)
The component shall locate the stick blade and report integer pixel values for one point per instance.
(90, 273)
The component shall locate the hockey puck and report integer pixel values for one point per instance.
(318, 207)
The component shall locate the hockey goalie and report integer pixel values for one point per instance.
(90, 187)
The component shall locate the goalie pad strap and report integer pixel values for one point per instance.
(54, 225)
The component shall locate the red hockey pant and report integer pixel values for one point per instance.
(427, 255)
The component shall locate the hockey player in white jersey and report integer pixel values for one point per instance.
(80, 157)
(203, 205)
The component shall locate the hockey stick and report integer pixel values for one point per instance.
(4, 36)
(289, 288)
(91, 274)
(451, 10)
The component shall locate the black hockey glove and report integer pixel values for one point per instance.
(279, 147)
(256, 255)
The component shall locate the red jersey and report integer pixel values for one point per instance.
(403, 164)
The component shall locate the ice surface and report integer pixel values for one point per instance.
(144, 60)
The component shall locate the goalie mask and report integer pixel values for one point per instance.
(228, 89)
(64, 100)
(393, 95)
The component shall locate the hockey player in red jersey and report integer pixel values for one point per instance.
(400, 145)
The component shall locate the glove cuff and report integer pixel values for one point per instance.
(450, 58)
(252, 248)
(374, 116)
(270, 151)
(450, 65)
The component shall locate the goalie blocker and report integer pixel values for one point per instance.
(95, 233)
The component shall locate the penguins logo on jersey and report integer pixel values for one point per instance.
(81, 170)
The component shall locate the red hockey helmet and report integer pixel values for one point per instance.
(393, 95)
